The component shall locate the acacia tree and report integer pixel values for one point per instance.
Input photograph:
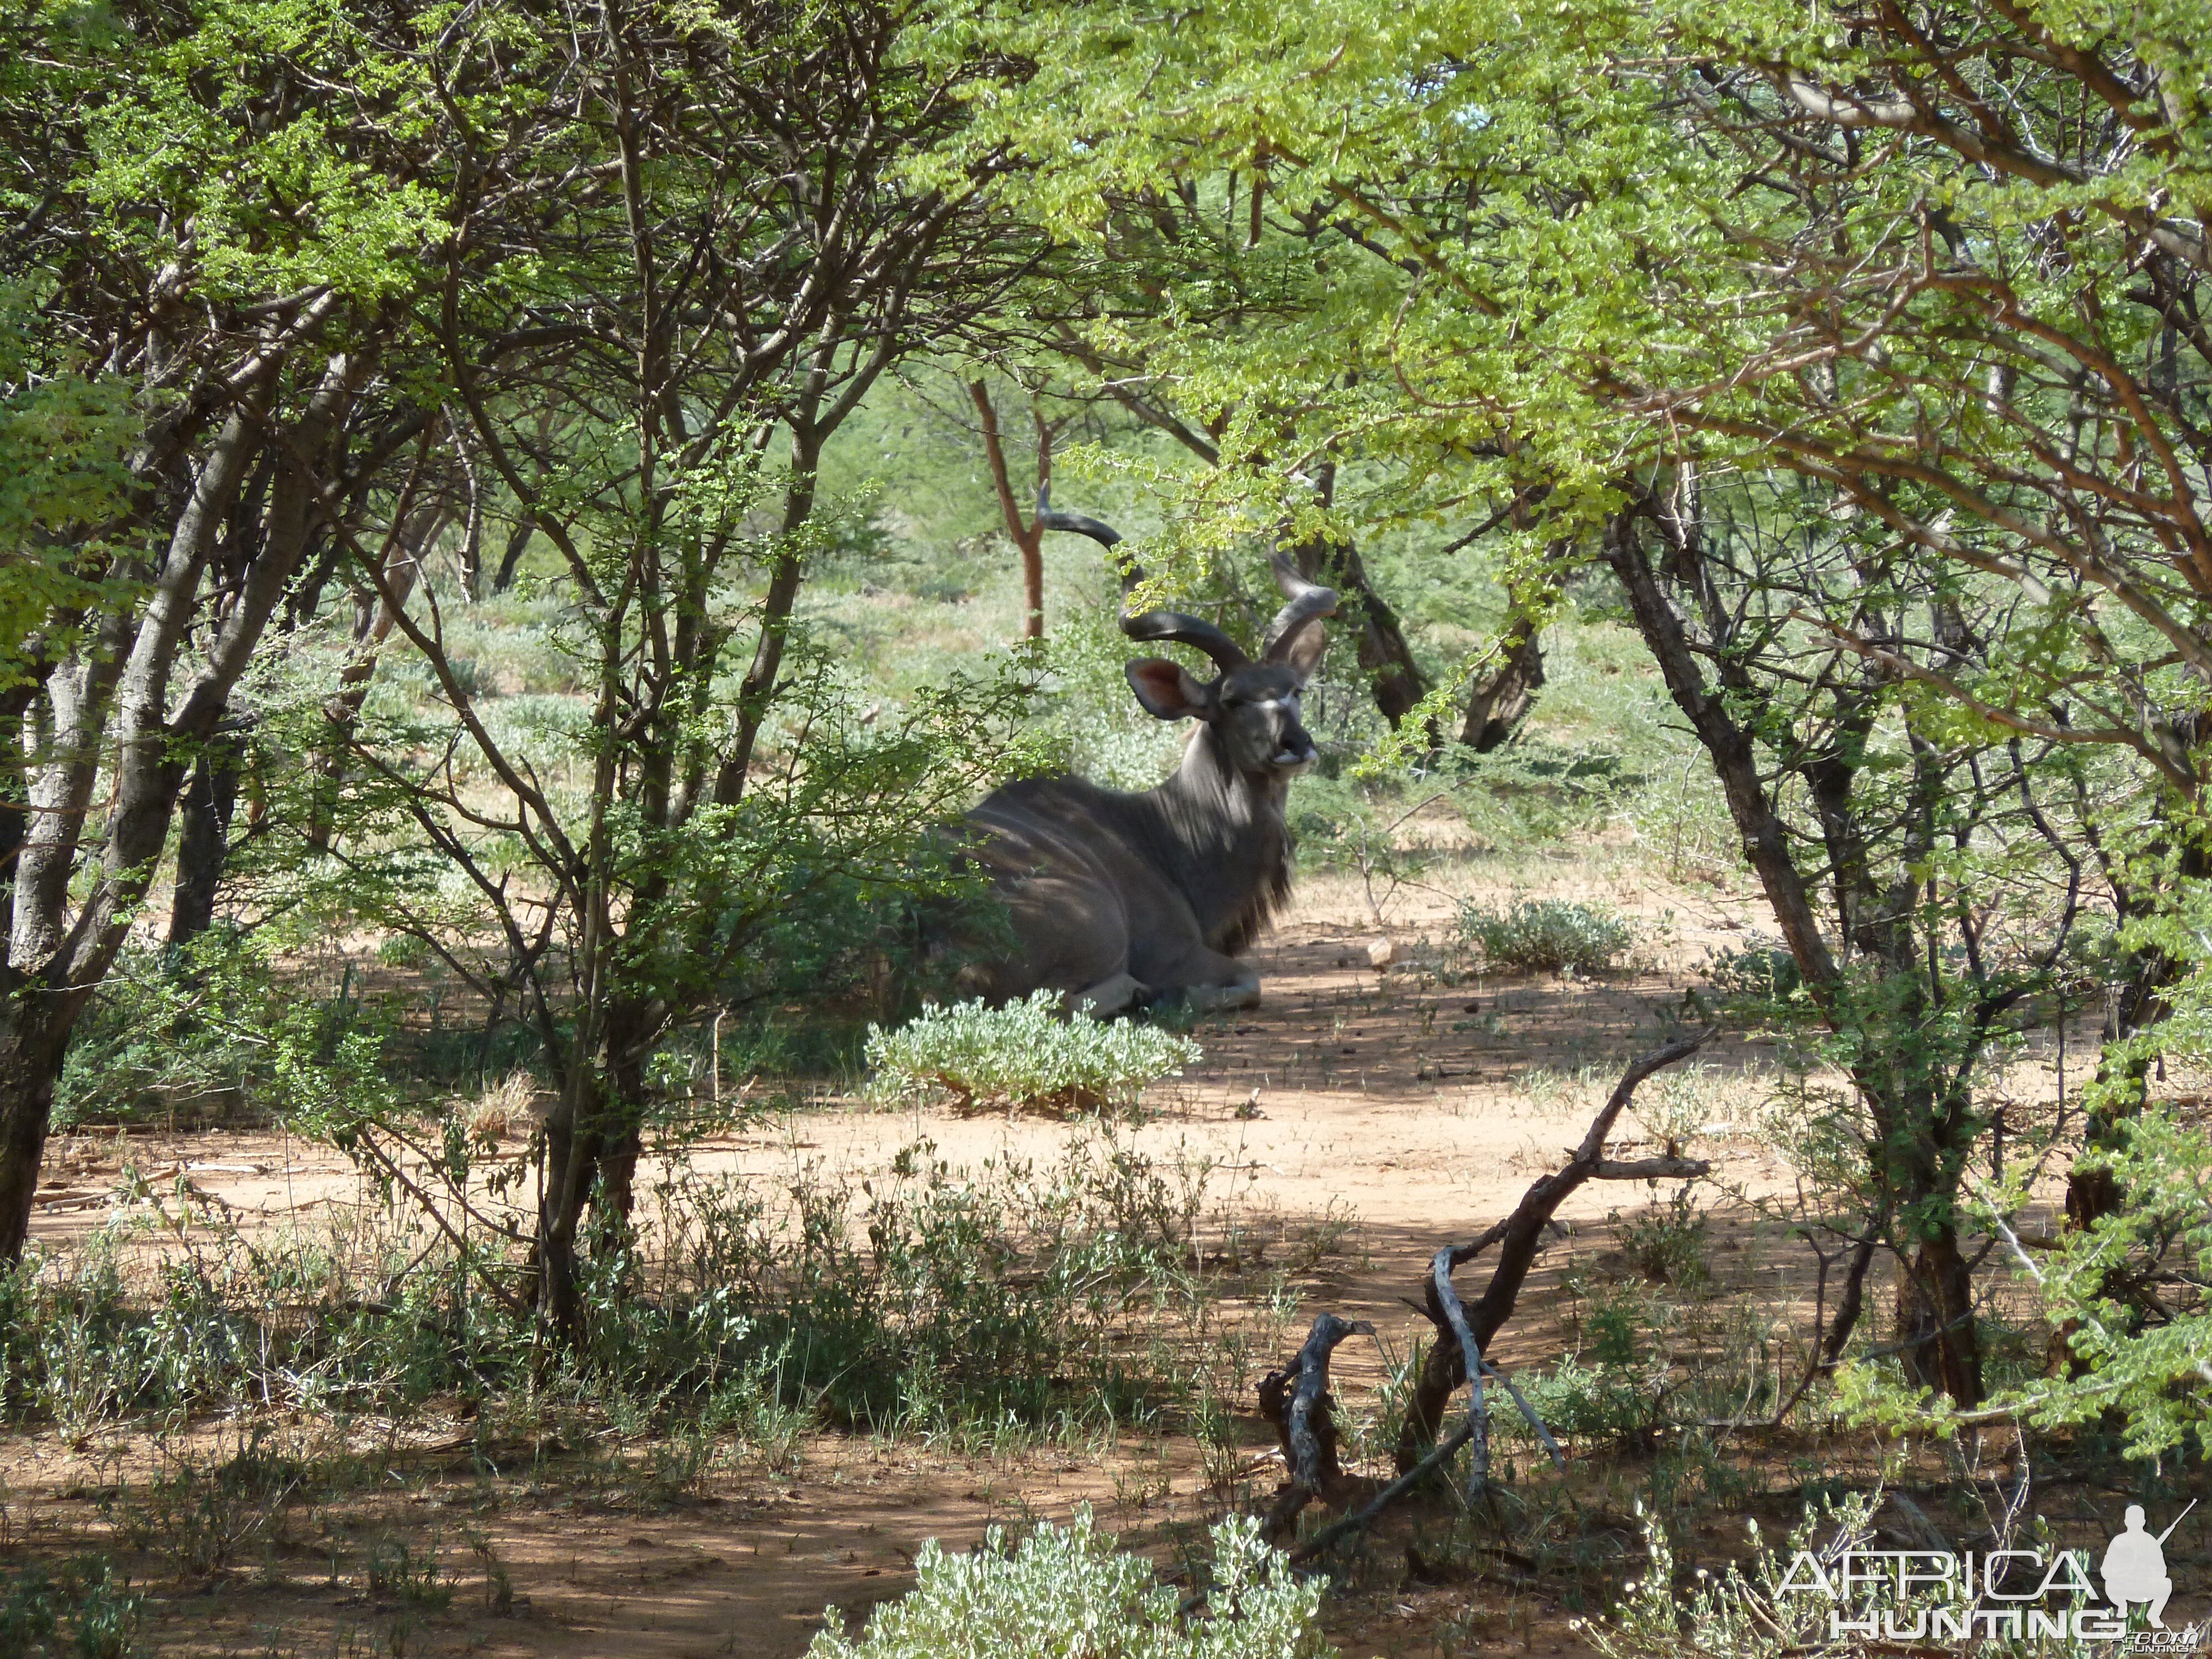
(1915, 868)
(1532, 295)
(718, 254)
(1984, 236)
(202, 214)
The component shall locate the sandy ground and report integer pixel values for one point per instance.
(1373, 1108)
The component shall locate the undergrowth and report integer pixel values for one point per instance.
(87, 1610)
(1047, 1296)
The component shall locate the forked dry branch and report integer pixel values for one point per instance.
(1296, 1399)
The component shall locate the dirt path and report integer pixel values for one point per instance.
(1360, 1118)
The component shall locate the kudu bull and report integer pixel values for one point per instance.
(1118, 899)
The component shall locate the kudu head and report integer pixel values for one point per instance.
(1252, 706)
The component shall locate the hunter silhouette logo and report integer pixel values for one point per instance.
(1943, 1596)
(2135, 1567)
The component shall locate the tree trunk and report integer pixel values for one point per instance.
(1027, 538)
(1728, 746)
(373, 621)
(203, 839)
(622, 1136)
(306, 595)
(14, 801)
(2094, 1193)
(1033, 586)
(35, 1021)
(1497, 705)
(1394, 677)
(63, 960)
(572, 1152)
(518, 543)
(756, 693)
(593, 1139)
(1942, 1349)
(1943, 1335)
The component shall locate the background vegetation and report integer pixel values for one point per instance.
(546, 496)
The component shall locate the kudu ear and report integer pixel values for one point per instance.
(1294, 638)
(1167, 691)
(1301, 652)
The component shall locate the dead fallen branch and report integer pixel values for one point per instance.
(1519, 1237)
(1329, 1536)
(1446, 1299)
(1296, 1399)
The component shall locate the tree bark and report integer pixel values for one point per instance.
(1496, 707)
(1942, 1348)
(518, 543)
(56, 961)
(631, 1027)
(756, 692)
(373, 621)
(1395, 679)
(35, 1022)
(1027, 538)
(15, 803)
(203, 840)
(1728, 746)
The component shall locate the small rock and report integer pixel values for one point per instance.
(1382, 953)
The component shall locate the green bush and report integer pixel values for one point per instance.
(1537, 935)
(198, 1034)
(1024, 1055)
(1743, 1611)
(1614, 1399)
(1069, 1592)
(1669, 1244)
(90, 1612)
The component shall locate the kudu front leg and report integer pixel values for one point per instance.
(1222, 983)
(1209, 999)
(1115, 994)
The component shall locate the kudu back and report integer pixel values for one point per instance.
(1116, 899)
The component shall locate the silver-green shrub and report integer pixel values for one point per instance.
(1024, 1055)
(1069, 1593)
(1541, 935)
